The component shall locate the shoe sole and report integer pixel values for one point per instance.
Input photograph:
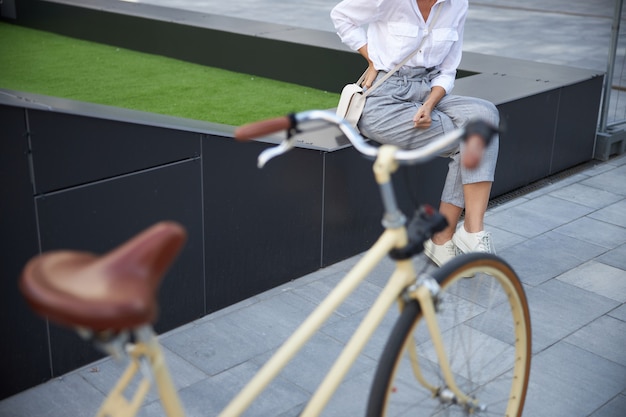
(432, 257)
(461, 247)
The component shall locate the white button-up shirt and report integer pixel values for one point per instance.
(392, 29)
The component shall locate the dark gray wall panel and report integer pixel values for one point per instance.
(24, 338)
(574, 142)
(100, 216)
(421, 184)
(69, 150)
(352, 207)
(262, 226)
(527, 144)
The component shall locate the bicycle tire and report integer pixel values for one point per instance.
(502, 353)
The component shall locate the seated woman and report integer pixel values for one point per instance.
(414, 105)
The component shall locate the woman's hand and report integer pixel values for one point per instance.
(370, 76)
(372, 72)
(422, 119)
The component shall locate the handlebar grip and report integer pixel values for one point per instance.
(480, 128)
(264, 127)
(478, 135)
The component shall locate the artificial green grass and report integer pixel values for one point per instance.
(45, 63)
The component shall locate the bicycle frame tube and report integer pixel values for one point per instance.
(167, 391)
(146, 348)
(116, 403)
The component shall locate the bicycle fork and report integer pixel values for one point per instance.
(426, 292)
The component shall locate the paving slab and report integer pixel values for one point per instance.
(69, 395)
(538, 216)
(594, 231)
(614, 408)
(605, 337)
(601, 279)
(571, 382)
(558, 310)
(587, 196)
(613, 214)
(548, 255)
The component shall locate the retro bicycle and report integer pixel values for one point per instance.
(461, 344)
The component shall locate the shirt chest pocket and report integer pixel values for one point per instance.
(402, 38)
(441, 42)
(403, 29)
(445, 35)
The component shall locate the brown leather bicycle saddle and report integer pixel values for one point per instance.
(115, 291)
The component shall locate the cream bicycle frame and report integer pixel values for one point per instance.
(403, 277)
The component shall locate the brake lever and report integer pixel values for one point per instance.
(270, 153)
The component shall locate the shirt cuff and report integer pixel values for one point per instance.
(444, 81)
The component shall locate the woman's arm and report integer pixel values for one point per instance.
(372, 72)
(350, 18)
(422, 118)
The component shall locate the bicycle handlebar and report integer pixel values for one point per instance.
(413, 156)
(263, 128)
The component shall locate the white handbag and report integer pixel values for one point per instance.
(352, 102)
(352, 99)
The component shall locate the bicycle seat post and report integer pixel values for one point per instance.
(384, 166)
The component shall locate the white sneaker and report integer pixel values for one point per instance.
(473, 242)
(440, 254)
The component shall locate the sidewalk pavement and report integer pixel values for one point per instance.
(565, 237)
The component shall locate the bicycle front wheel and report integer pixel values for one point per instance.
(485, 325)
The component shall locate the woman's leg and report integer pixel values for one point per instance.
(476, 201)
(467, 188)
(452, 214)
(387, 118)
